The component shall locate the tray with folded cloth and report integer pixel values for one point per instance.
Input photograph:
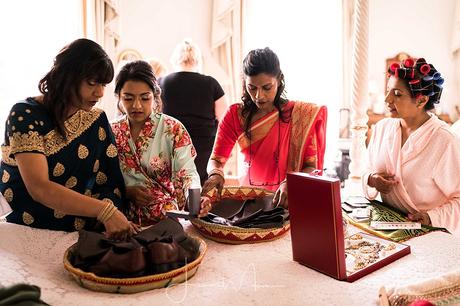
(379, 212)
(243, 215)
(157, 257)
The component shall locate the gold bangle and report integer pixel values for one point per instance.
(216, 171)
(106, 212)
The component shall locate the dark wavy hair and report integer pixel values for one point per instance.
(138, 71)
(420, 78)
(256, 62)
(81, 60)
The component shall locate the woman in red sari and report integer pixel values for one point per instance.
(275, 135)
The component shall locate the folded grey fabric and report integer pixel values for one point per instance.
(254, 213)
(20, 295)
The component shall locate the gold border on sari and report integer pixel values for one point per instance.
(81, 121)
(258, 130)
(302, 118)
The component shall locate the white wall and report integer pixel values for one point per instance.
(31, 35)
(155, 27)
(421, 28)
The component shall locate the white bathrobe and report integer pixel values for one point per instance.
(427, 167)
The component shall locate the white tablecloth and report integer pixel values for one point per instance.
(260, 274)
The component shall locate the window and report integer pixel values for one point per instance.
(307, 37)
(32, 34)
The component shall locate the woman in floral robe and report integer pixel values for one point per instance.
(155, 150)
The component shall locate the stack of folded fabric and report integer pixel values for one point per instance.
(158, 249)
(254, 213)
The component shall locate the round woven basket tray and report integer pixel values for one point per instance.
(239, 235)
(136, 284)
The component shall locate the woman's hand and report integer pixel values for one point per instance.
(280, 198)
(421, 217)
(118, 227)
(214, 181)
(205, 205)
(138, 195)
(383, 182)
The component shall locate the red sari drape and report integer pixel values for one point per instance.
(277, 145)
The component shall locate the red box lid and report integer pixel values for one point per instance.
(317, 231)
(316, 223)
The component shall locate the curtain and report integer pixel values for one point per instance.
(226, 44)
(101, 24)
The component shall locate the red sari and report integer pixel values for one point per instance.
(277, 145)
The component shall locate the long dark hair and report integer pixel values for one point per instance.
(138, 71)
(261, 61)
(81, 60)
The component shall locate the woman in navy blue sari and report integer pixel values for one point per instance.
(59, 165)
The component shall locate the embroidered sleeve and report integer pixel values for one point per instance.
(24, 130)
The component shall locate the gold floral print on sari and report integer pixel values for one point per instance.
(32, 141)
(58, 170)
(83, 151)
(79, 224)
(58, 214)
(5, 176)
(101, 133)
(27, 218)
(75, 126)
(101, 178)
(8, 195)
(71, 182)
(111, 151)
(6, 156)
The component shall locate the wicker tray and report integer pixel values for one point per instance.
(137, 284)
(239, 235)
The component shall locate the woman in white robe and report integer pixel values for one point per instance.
(414, 159)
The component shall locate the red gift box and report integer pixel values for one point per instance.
(317, 232)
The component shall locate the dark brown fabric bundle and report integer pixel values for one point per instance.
(158, 249)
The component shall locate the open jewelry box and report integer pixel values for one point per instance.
(317, 231)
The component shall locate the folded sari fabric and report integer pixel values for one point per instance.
(157, 249)
(21, 295)
(441, 290)
(381, 212)
(254, 213)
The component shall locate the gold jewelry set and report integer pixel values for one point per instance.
(365, 252)
(107, 212)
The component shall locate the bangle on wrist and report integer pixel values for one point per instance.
(216, 171)
(107, 212)
(283, 181)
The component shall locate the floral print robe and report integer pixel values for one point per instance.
(161, 159)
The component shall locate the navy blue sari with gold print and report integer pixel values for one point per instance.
(85, 162)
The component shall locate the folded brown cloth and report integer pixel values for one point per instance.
(158, 249)
(20, 295)
(254, 213)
